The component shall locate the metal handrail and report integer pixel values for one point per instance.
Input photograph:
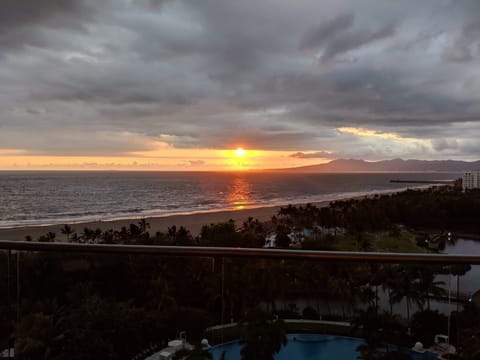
(206, 251)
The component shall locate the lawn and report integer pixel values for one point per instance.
(383, 241)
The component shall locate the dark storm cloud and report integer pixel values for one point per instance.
(363, 97)
(317, 37)
(466, 45)
(355, 40)
(20, 19)
(216, 73)
(336, 36)
(153, 4)
(21, 13)
(466, 42)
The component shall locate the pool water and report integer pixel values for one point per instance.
(309, 346)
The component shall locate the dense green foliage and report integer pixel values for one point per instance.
(443, 208)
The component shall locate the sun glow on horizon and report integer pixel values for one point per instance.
(240, 152)
(241, 159)
(159, 158)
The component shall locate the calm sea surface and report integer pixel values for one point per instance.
(37, 198)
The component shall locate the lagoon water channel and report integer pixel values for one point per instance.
(469, 284)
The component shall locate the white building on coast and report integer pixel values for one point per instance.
(471, 180)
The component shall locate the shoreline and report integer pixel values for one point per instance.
(191, 221)
(149, 214)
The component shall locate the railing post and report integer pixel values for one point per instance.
(9, 255)
(18, 286)
(222, 316)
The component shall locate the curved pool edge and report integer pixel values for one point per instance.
(314, 345)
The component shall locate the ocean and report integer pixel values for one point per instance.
(42, 198)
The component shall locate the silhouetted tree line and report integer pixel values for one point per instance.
(440, 208)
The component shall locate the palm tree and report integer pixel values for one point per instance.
(377, 277)
(51, 236)
(67, 230)
(408, 286)
(75, 238)
(143, 225)
(98, 234)
(458, 270)
(430, 287)
(341, 287)
(87, 235)
(183, 236)
(390, 283)
(263, 336)
(172, 233)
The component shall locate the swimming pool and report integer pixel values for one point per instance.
(309, 346)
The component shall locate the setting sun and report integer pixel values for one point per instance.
(240, 151)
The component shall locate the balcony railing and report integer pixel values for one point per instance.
(331, 290)
(230, 252)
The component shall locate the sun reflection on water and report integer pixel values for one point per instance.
(239, 195)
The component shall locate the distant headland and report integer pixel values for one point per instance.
(394, 165)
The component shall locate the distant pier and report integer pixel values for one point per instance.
(406, 181)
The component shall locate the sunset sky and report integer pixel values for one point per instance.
(179, 85)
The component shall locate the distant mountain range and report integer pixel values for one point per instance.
(355, 165)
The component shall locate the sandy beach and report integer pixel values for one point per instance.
(192, 222)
